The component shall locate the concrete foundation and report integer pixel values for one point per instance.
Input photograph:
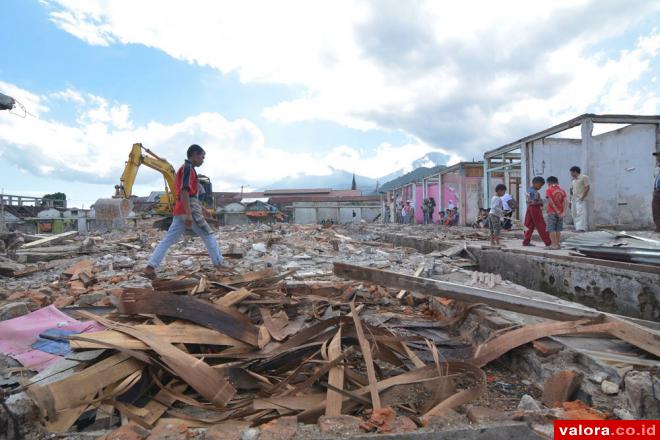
(421, 244)
(609, 288)
(616, 287)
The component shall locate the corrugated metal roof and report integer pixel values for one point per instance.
(616, 246)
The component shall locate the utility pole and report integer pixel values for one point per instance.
(2, 210)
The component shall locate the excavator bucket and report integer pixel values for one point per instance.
(112, 213)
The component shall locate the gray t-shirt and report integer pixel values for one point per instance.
(496, 207)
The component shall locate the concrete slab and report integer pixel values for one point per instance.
(497, 432)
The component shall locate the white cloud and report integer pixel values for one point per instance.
(94, 150)
(463, 75)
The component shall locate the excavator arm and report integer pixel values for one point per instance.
(136, 158)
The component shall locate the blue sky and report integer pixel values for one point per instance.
(365, 87)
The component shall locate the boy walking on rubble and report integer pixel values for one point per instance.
(534, 214)
(187, 214)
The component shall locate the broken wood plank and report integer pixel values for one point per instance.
(161, 402)
(222, 319)
(49, 240)
(246, 278)
(335, 378)
(75, 390)
(275, 324)
(368, 359)
(175, 333)
(232, 298)
(634, 334)
(204, 379)
(495, 348)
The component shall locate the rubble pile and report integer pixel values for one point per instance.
(292, 338)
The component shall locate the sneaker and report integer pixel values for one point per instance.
(149, 273)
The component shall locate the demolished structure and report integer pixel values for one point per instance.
(323, 332)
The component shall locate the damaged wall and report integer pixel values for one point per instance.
(554, 157)
(619, 164)
(610, 289)
(464, 192)
(339, 212)
(621, 170)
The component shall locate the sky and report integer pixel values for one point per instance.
(276, 89)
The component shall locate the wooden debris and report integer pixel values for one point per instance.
(232, 298)
(642, 337)
(49, 240)
(368, 360)
(335, 378)
(223, 319)
(202, 349)
(207, 381)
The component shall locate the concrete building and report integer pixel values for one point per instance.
(618, 160)
(339, 210)
(414, 186)
(458, 186)
(233, 214)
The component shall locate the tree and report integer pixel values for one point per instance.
(58, 198)
(353, 185)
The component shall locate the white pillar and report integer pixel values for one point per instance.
(586, 129)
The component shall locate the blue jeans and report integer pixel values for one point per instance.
(173, 235)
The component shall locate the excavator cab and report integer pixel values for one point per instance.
(206, 196)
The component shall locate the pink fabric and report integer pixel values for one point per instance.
(17, 335)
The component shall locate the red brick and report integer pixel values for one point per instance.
(16, 295)
(547, 347)
(166, 430)
(283, 428)
(381, 420)
(63, 301)
(339, 425)
(130, 431)
(480, 415)
(230, 430)
(560, 387)
(39, 298)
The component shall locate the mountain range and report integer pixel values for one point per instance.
(340, 179)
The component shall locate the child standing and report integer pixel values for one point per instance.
(495, 214)
(534, 213)
(557, 204)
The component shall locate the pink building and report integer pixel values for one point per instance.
(462, 188)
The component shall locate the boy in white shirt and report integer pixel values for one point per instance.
(495, 214)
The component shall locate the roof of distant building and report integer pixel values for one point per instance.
(298, 191)
(416, 175)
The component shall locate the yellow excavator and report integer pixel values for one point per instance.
(115, 210)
